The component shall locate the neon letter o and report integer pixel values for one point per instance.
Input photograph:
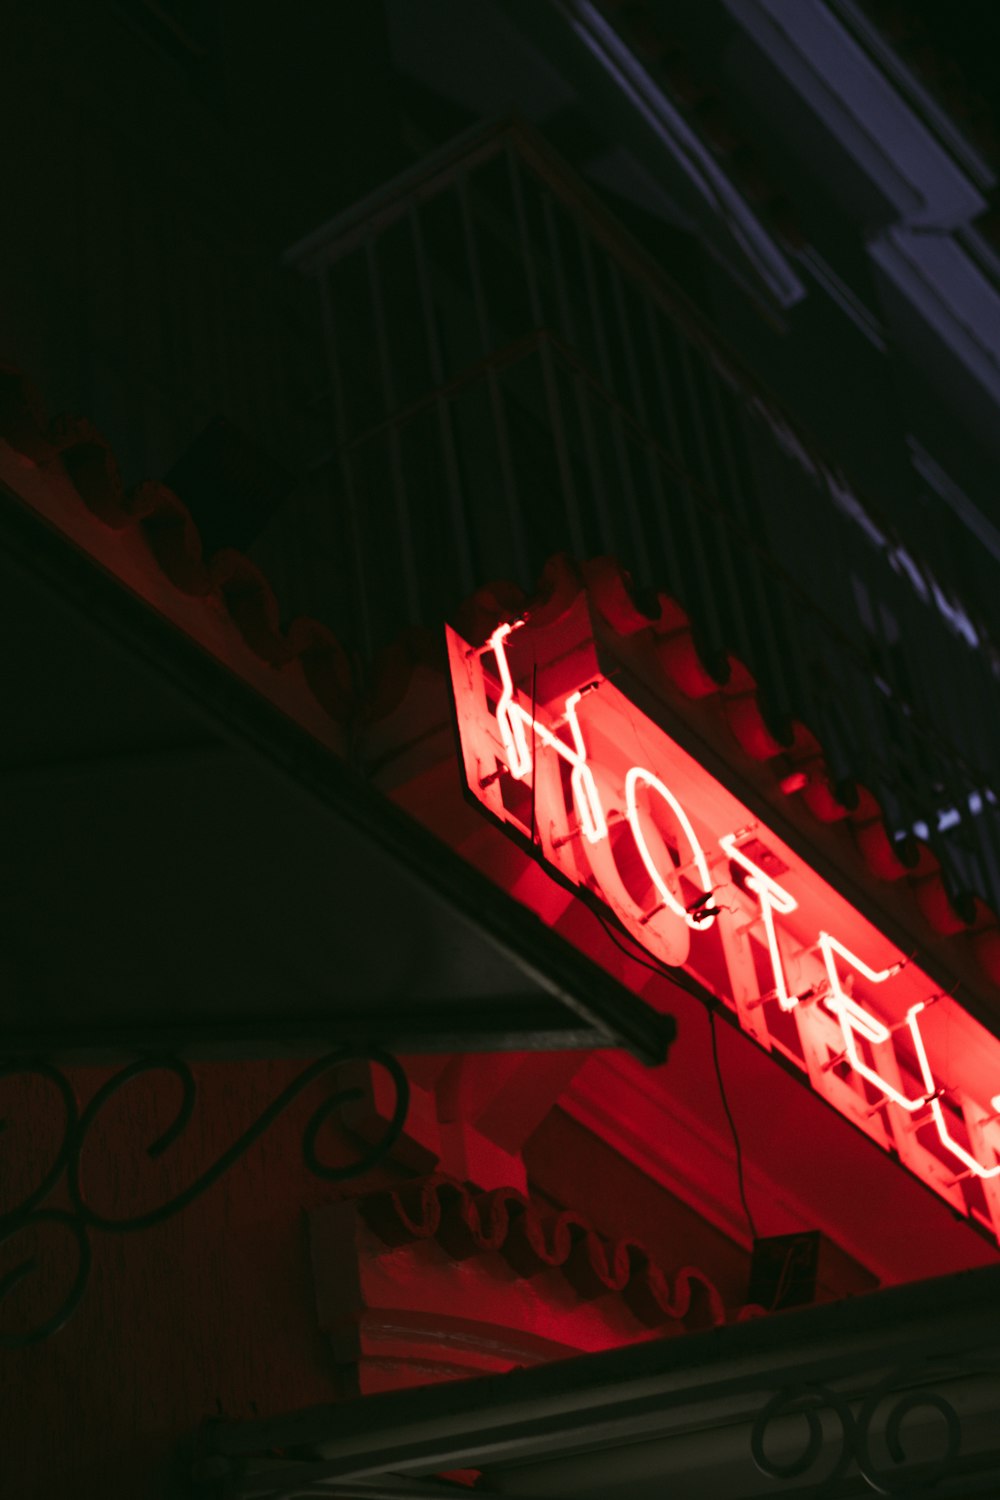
(637, 776)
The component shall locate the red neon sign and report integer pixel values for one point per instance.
(615, 805)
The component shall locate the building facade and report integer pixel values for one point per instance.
(652, 350)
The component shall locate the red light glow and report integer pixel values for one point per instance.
(617, 807)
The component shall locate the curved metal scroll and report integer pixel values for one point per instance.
(871, 1439)
(808, 1402)
(897, 1404)
(66, 1168)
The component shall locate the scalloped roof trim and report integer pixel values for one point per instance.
(228, 581)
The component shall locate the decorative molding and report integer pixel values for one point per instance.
(432, 1281)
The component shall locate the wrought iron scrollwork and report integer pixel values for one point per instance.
(871, 1438)
(80, 1218)
(901, 1478)
(808, 1402)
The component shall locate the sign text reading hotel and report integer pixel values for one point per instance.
(617, 806)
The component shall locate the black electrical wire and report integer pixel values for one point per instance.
(732, 1125)
(654, 968)
(667, 973)
(663, 970)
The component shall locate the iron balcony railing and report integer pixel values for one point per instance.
(512, 376)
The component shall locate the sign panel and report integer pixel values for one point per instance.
(618, 808)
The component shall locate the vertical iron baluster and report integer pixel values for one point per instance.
(633, 522)
(366, 642)
(460, 529)
(545, 354)
(569, 333)
(702, 599)
(746, 566)
(639, 403)
(497, 409)
(717, 512)
(403, 521)
(674, 446)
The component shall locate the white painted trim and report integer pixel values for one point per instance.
(770, 264)
(862, 108)
(938, 121)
